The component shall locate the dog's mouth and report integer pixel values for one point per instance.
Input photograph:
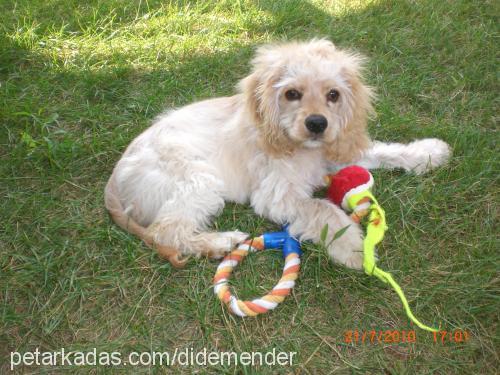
(313, 142)
(307, 141)
(316, 137)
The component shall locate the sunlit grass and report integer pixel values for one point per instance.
(79, 80)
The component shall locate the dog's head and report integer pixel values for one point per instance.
(309, 95)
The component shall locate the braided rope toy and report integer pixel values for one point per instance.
(350, 189)
(291, 252)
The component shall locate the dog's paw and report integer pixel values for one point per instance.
(355, 260)
(348, 248)
(224, 242)
(428, 154)
(236, 237)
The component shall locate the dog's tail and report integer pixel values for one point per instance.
(120, 217)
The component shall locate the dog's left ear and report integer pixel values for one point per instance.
(353, 138)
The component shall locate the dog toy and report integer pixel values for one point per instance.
(350, 189)
(291, 253)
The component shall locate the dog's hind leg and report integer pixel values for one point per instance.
(182, 220)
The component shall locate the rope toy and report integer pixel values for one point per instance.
(291, 253)
(350, 189)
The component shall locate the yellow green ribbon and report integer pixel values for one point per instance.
(375, 231)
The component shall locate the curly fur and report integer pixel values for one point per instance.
(254, 147)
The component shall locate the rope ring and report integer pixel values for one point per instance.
(291, 252)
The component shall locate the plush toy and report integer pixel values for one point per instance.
(350, 189)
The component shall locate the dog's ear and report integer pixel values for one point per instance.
(262, 103)
(353, 138)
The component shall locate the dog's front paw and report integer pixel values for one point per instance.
(428, 154)
(348, 248)
(224, 242)
(355, 260)
(236, 237)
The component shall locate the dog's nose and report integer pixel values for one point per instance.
(316, 123)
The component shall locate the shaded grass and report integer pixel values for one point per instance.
(80, 80)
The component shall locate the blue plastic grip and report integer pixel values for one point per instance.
(282, 240)
(275, 240)
(291, 245)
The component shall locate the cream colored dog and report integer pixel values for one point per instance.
(301, 113)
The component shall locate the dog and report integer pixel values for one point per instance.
(301, 113)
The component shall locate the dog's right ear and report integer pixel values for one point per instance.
(248, 88)
(262, 105)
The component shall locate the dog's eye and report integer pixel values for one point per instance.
(333, 95)
(292, 94)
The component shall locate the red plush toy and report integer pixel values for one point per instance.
(347, 182)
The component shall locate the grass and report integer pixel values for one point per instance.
(79, 80)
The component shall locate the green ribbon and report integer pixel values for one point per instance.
(375, 231)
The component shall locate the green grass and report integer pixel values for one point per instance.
(79, 80)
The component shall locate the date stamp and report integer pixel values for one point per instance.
(379, 336)
(394, 336)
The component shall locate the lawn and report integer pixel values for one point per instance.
(80, 79)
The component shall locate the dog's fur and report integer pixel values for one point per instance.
(255, 146)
